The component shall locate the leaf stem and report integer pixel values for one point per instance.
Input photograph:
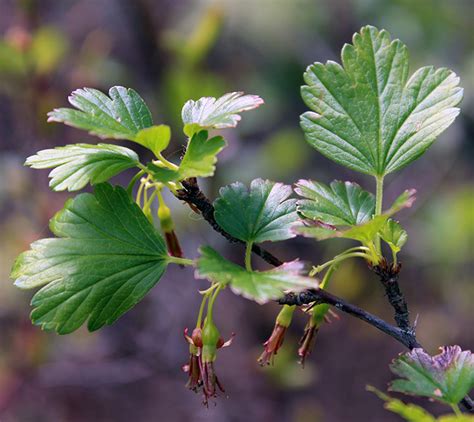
(167, 163)
(210, 304)
(201, 311)
(248, 256)
(180, 261)
(327, 277)
(133, 181)
(147, 205)
(456, 409)
(339, 258)
(378, 205)
(138, 198)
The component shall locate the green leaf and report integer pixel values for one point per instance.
(409, 412)
(106, 258)
(446, 377)
(456, 418)
(220, 113)
(200, 157)
(341, 203)
(414, 413)
(260, 286)
(162, 174)
(155, 138)
(394, 234)
(367, 115)
(263, 213)
(364, 232)
(121, 116)
(199, 160)
(79, 164)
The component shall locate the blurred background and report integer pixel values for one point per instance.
(170, 51)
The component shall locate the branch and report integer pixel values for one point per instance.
(388, 275)
(199, 203)
(404, 333)
(407, 338)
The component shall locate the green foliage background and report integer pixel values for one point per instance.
(171, 51)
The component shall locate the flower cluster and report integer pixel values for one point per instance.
(318, 315)
(203, 345)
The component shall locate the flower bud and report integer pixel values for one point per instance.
(167, 225)
(164, 214)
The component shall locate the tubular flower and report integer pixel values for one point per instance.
(319, 313)
(273, 344)
(193, 367)
(172, 243)
(211, 341)
(203, 345)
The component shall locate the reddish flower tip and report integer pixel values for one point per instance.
(306, 342)
(172, 243)
(272, 345)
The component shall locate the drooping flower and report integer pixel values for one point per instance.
(193, 367)
(203, 345)
(319, 313)
(273, 344)
(211, 341)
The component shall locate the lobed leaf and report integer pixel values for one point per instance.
(199, 160)
(364, 232)
(155, 138)
(446, 377)
(409, 412)
(414, 413)
(367, 115)
(263, 213)
(120, 116)
(218, 113)
(394, 234)
(79, 164)
(341, 203)
(260, 286)
(106, 257)
(201, 156)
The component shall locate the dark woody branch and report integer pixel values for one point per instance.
(195, 198)
(388, 275)
(318, 296)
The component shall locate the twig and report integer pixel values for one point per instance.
(319, 296)
(388, 275)
(404, 333)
